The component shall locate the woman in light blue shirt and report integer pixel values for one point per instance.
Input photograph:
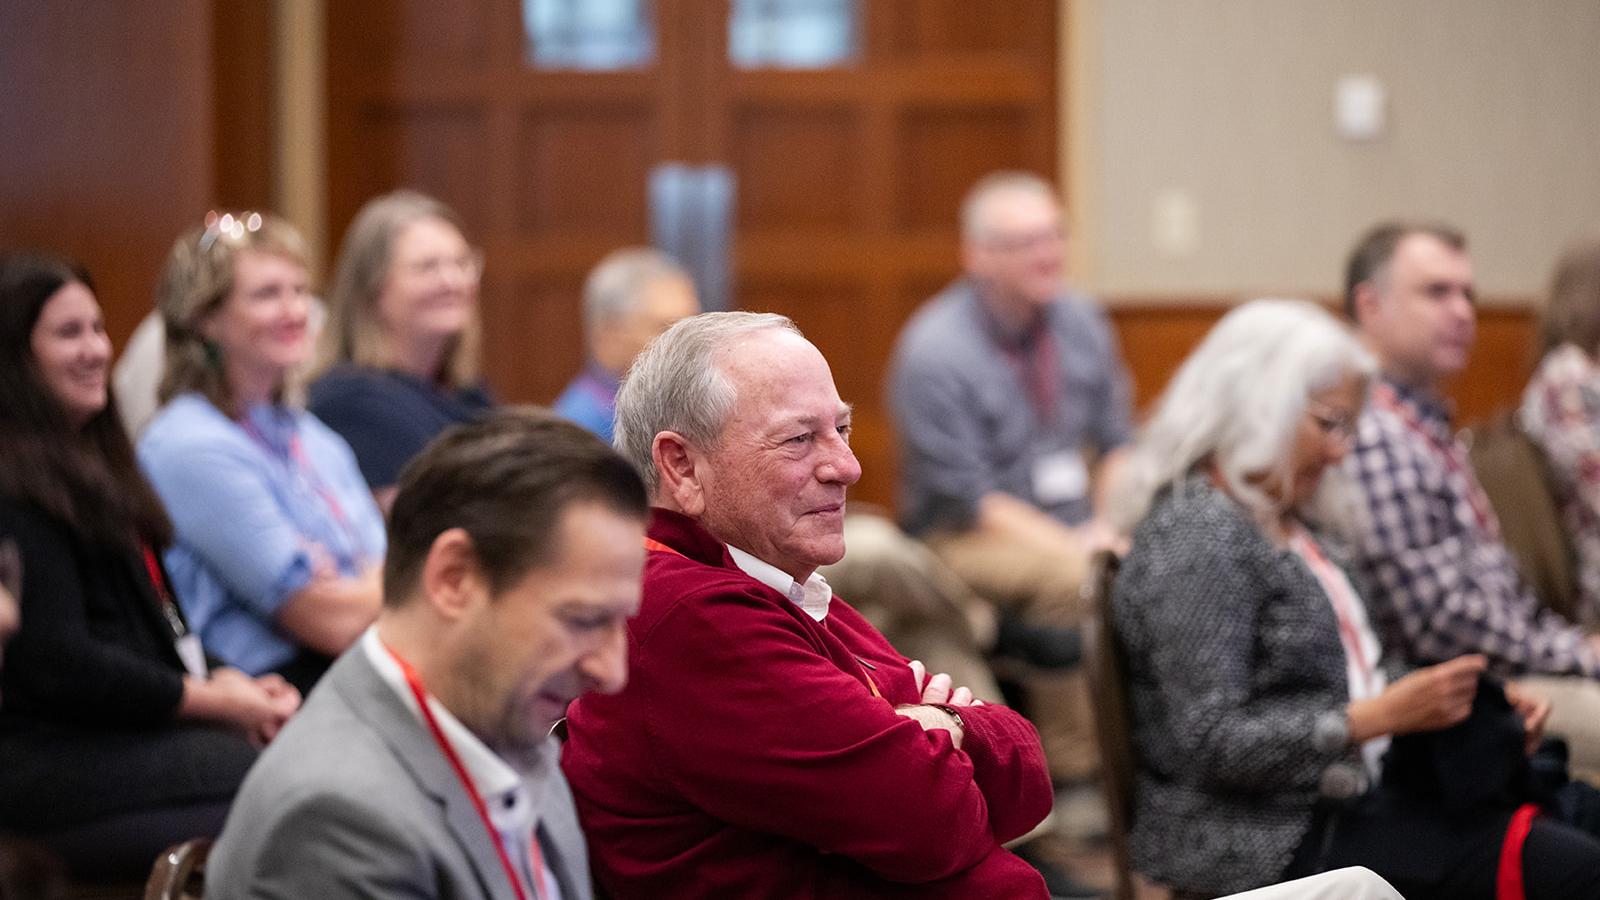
(279, 544)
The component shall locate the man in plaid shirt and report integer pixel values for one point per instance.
(1441, 582)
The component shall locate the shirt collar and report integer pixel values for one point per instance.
(1003, 334)
(813, 597)
(511, 797)
(272, 425)
(1429, 407)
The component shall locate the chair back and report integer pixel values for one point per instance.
(1516, 475)
(1108, 683)
(180, 872)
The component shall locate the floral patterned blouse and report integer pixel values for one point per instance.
(1561, 413)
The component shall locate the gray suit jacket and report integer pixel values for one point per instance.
(354, 799)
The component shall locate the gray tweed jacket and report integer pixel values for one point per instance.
(1232, 652)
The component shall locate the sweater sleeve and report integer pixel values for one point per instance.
(58, 667)
(1008, 766)
(758, 728)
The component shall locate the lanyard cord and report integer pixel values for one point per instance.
(1327, 573)
(414, 682)
(1385, 396)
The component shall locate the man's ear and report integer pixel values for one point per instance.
(451, 581)
(679, 470)
(1366, 302)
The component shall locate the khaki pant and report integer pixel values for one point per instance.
(1575, 716)
(1046, 589)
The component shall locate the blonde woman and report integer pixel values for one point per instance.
(278, 542)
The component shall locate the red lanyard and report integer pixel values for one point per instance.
(1385, 397)
(414, 682)
(651, 543)
(169, 608)
(1340, 598)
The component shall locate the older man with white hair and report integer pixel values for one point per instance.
(631, 296)
(770, 741)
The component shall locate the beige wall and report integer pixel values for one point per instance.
(1493, 123)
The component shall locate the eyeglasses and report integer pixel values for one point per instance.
(1333, 424)
(1024, 240)
(469, 265)
(228, 225)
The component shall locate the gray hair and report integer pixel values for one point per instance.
(1237, 401)
(616, 284)
(975, 206)
(677, 384)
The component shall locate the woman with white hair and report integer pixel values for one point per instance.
(1261, 710)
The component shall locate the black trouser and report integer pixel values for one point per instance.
(1462, 850)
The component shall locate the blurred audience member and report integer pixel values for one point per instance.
(115, 740)
(1442, 581)
(770, 741)
(926, 612)
(633, 295)
(278, 541)
(398, 359)
(423, 765)
(1262, 713)
(136, 377)
(1561, 409)
(1010, 401)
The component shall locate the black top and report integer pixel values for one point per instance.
(388, 417)
(94, 646)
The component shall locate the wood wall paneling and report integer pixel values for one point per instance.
(847, 178)
(243, 104)
(1157, 336)
(106, 110)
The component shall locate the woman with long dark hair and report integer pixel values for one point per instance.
(115, 739)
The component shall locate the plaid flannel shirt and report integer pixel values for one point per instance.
(1440, 581)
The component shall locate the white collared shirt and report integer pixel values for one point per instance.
(509, 796)
(813, 597)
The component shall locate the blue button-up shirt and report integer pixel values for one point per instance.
(255, 505)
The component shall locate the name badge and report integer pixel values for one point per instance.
(193, 656)
(1059, 477)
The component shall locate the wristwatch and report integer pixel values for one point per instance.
(952, 713)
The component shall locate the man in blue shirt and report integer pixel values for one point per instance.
(633, 295)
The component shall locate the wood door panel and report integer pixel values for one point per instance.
(923, 27)
(585, 170)
(943, 151)
(794, 167)
(533, 333)
(435, 149)
(847, 179)
(399, 36)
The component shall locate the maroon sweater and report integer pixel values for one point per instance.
(748, 756)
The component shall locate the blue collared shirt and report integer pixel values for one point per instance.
(590, 400)
(254, 505)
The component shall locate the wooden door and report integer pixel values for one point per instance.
(849, 178)
(847, 174)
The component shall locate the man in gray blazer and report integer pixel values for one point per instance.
(422, 765)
